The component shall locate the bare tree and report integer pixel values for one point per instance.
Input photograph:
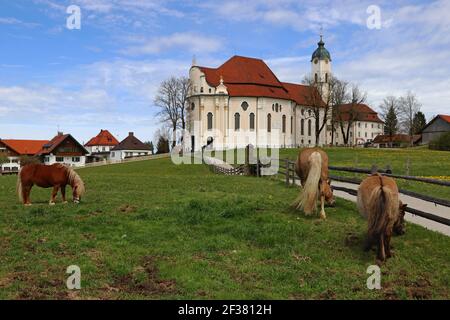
(167, 102)
(409, 106)
(347, 114)
(184, 87)
(319, 101)
(390, 113)
(338, 96)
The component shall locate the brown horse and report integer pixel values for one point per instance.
(312, 168)
(378, 201)
(57, 176)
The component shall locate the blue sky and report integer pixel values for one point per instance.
(105, 75)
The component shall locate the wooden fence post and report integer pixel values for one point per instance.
(287, 172)
(388, 169)
(293, 173)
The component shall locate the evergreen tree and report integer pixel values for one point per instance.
(391, 123)
(152, 147)
(163, 146)
(419, 123)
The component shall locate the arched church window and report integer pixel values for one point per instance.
(237, 121)
(284, 124)
(292, 124)
(276, 107)
(302, 127)
(316, 79)
(326, 77)
(273, 107)
(244, 105)
(309, 127)
(269, 123)
(252, 121)
(192, 106)
(210, 121)
(302, 111)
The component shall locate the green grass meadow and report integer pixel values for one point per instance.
(154, 230)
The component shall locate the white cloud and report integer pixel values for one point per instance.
(14, 21)
(187, 41)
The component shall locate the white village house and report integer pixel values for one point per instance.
(100, 146)
(64, 149)
(130, 147)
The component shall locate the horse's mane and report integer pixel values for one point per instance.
(74, 179)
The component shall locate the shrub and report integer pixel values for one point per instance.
(441, 143)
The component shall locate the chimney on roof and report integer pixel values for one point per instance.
(131, 134)
(60, 133)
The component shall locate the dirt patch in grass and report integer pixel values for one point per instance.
(39, 287)
(328, 295)
(126, 208)
(152, 284)
(420, 288)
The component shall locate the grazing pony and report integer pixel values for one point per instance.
(312, 168)
(378, 202)
(57, 176)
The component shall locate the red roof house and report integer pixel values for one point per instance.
(22, 147)
(357, 112)
(104, 138)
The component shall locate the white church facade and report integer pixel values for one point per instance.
(243, 102)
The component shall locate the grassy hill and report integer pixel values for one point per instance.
(151, 230)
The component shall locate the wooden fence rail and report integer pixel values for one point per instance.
(287, 170)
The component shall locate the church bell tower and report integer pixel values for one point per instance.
(321, 67)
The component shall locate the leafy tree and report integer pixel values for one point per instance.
(419, 122)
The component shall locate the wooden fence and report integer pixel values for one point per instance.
(240, 170)
(288, 171)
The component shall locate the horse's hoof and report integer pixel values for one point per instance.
(65, 202)
(51, 203)
(27, 204)
(323, 216)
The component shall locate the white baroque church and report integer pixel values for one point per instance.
(243, 102)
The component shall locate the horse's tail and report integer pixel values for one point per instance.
(75, 180)
(382, 208)
(307, 199)
(19, 186)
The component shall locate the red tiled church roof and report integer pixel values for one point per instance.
(246, 77)
(25, 147)
(359, 112)
(252, 77)
(104, 138)
(302, 94)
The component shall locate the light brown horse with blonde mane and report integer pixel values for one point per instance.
(378, 201)
(312, 168)
(57, 176)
